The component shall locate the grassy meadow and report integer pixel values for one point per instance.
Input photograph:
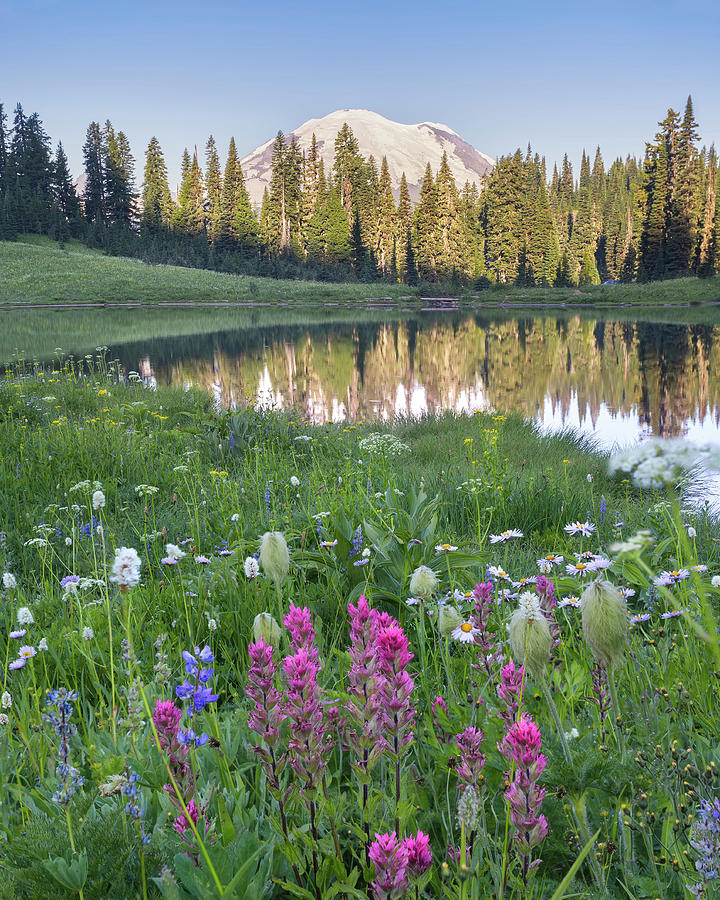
(237, 723)
(35, 271)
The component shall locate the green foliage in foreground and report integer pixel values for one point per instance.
(35, 271)
(172, 471)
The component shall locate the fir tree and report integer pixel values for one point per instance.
(94, 200)
(118, 171)
(157, 205)
(66, 199)
(425, 229)
(385, 240)
(213, 187)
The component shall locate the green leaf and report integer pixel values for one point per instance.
(70, 873)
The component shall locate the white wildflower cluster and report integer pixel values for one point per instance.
(85, 486)
(144, 490)
(474, 486)
(376, 444)
(656, 463)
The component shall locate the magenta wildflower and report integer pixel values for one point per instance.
(267, 714)
(486, 641)
(393, 659)
(166, 717)
(181, 823)
(419, 854)
(470, 766)
(522, 746)
(510, 691)
(391, 861)
(364, 679)
(309, 741)
(302, 632)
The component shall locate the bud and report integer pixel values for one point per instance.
(274, 556)
(448, 619)
(423, 582)
(530, 636)
(604, 622)
(267, 629)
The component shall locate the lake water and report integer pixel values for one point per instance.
(617, 379)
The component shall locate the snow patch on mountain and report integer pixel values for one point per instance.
(408, 149)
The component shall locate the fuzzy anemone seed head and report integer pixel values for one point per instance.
(448, 619)
(274, 556)
(530, 636)
(604, 622)
(267, 629)
(423, 582)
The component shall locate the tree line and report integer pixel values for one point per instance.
(634, 220)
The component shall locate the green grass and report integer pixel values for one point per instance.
(34, 271)
(217, 483)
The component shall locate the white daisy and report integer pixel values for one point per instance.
(505, 536)
(583, 528)
(465, 633)
(445, 548)
(498, 573)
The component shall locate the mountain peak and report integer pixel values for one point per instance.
(408, 149)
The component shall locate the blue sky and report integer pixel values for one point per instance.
(561, 75)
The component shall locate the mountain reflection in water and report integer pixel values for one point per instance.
(618, 380)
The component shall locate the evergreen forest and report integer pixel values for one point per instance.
(630, 220)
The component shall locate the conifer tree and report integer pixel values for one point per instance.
(452, 245)
(157, 205)
(213, 186)
(404, 222)
(409, 267)
(425, 231)
(385, 241)
(94, 200)
(66, 199)
(118, 167)
(707, 251)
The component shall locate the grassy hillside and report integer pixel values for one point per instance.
(34, 271)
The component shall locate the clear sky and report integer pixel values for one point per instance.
(561, 75)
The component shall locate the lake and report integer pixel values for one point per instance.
(618, 377)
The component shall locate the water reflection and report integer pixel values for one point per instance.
(618, 380)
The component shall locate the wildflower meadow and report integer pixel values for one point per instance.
(249, 658)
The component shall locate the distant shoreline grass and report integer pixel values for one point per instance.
(35, 273)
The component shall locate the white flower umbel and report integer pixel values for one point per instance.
(98, 500)
(87, 633)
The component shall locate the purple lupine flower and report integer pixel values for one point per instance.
(603, 509)
(471, 762)
(391, 860)
(521, 746)
(510, 691)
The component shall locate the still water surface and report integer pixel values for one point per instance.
(616, 379)
(620, 381)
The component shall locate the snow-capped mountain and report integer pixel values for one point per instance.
(408, 149)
